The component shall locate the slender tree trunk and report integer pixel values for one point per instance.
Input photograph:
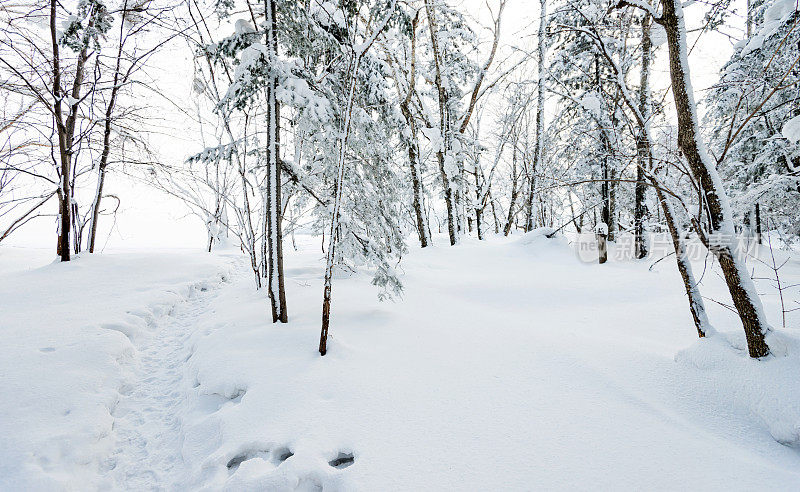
(606, 194)
(412, 143)
(612, 204)
(537, 147)
(758, 223)
(530, 216)
(696, 305)
(337, 200)
(740, 285)
(275, 283)
(334, 230)
(64, 146)
(416, 185)
(101, 179)
(444, 132)
(749, 18)
(642, 145)
(514, 192)
(494, 215)
(101, 168)
(572, 212)
(479, 206)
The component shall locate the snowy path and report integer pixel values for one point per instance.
(148, 418)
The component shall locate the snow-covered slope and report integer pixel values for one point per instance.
(508, 364)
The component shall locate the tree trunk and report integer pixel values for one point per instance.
(444, 132)
(64, 145)
(513, 202)
(412, 143)
(416, 184)
(494, 215)
(696, 305)
(530, 216)
(642, 145)
(101, 168)
(101, 178)
(602, 246)
(331, 255)
(741, 287)
(277, 293)
(537, 146)
(758, 223)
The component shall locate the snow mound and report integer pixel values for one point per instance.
(535, 235)
(768, 389)
(544, 237)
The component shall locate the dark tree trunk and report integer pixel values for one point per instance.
(642, 145)
(416, 184)
(758, 223)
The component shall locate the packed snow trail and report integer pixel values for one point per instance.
(148, 418)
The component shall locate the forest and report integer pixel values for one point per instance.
(424, 244)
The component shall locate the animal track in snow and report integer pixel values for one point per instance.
(343, 460)
(276, 456)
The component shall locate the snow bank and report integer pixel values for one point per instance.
(768, 389)
(67, 330)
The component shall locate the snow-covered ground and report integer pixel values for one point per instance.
(508, 364)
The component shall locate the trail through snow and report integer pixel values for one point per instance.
(148, 418)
